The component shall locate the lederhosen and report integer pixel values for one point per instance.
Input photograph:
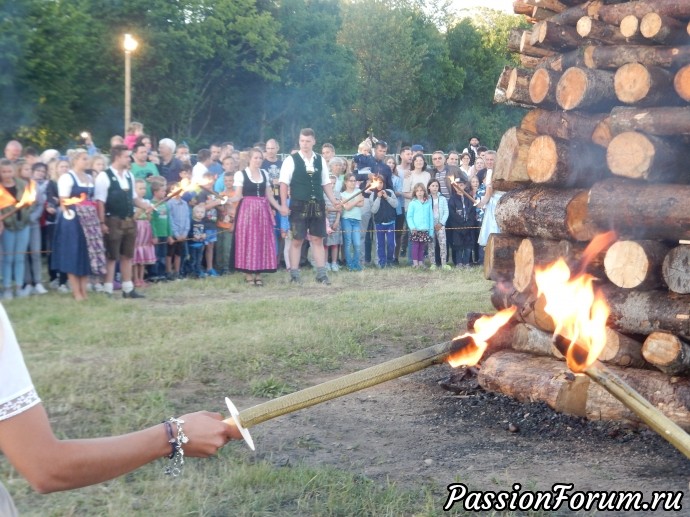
(307, 205)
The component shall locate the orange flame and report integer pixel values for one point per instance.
(484, 328)
(28, 196)
(6, 199)
(597, 244)
(74, 200)
(376, 184)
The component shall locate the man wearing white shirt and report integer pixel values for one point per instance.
(203, 162)
(306, 174)
(115, 201)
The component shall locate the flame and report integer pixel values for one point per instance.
(484, 328)
(28, 196)
(6, 199)
(597, 244)
(376, 184)
(74, 200)
(578, 312)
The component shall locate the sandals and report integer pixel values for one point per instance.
(249, 281)
(258, 282)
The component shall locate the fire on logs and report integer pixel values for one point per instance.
(603, 147)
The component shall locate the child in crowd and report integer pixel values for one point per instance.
(364, 161)
(211, 201)
(226, 224)
(134, 131)
(335, 238)
(178, 211)
(462, 219)
(34, 265)
(160, 225)
(285, 234)
(351, 217)
(144, 245)
(478, 190)
(420, 221)
(383, 203)
(197, 239)
(439, 208)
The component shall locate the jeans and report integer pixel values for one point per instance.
(385, 243)
(224, 249)
(161, 254)
(34, 264)
(14, 244)
(196, 252)
(351, 238)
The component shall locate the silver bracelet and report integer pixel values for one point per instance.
(174, 466)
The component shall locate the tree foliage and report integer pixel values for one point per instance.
(248, 70)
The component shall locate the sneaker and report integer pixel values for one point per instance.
(446, 267)
(323, 280)
(64, 289)
(296, 280)
(432, 267)
(212, 272)
(98, 287)
(132, 294)
(7, 294)
(25, 292)
(39, 289)
(54, 284)
(335, 267)
(89, 287)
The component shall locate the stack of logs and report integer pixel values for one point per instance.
(604, 146)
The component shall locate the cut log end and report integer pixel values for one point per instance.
(579, 223)
(676, 269)
(632, 83)
(681, 83)
(542, 159)
(539, 86)
(635, 264)
(629, 26)
(571, 88)
(584, 26)
(630, 154)
(650, 25)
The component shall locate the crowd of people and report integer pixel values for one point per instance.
(143, 213)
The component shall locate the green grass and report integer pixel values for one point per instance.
(112, 366)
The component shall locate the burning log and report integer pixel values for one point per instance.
(532, 340)
(653, 121)
(676, 269)
(644, 85)
(663, 29)
(613, 57)
(643, 312)
(613, 14)
(547, 213)
(499, 261)
(581, 88)
(640, 211)
(566, 125)
(511, 157)
(636, 264)
(668, 353)
(568, 164)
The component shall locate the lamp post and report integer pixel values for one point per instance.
(130, 45)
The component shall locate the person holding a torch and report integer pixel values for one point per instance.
(50, 464)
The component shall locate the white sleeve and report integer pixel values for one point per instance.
(286, 170)
(64, 184)
(325, 173)
(101, 188)
(239, 180)
(134, 185)
(17, 393)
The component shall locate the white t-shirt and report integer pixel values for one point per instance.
(289, 167)
(17, 393)
(198, 172)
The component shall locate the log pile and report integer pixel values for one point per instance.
(604, 146)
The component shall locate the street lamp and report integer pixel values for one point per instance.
(130, 45)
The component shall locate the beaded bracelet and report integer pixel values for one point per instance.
(174, 467)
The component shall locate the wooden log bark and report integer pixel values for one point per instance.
(641, 211)
(532, 340)
(644, 312)
(613, 14)
(529, 62)
(573, 163)
(602, 133)
(551, 5)
(566, 125)
(547, 213)
(542, 87)
(636, 264)
(572, 15)
(646, 157)
(499, 256)
(672, 399)
(518, 86)
(511, 157)
(540, 13)
(501, 340)
(581, 88)
(528, 379)
(504, 295)
(561, 62)
(681, 83)
(588, 27)
(622, 350)
(629, 26)
(546, 34)
(667, 352)
(522, 8)
(527, 48)
(613, 57)
(654, 121)
(663, 29)
(676, 269)
(645, 85)
(514, 39)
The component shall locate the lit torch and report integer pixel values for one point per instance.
(184, 186)
(376, 184)
(466, 349)
(28, 197)
(580, 315)
(69, 213)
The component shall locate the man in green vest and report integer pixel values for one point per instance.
(306, 174)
